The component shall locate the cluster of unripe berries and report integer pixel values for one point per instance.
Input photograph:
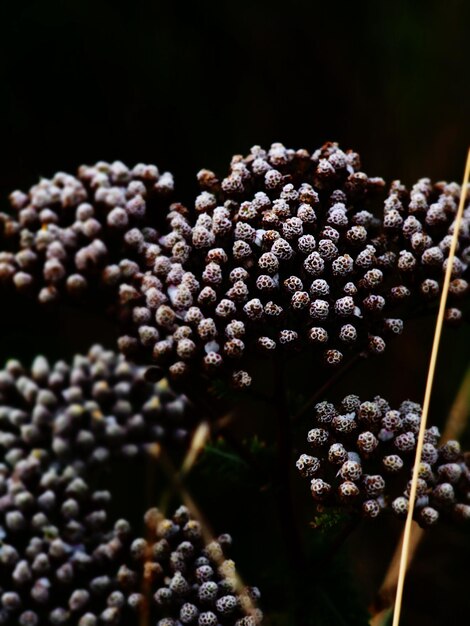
(418, 226)
(72, 235)
(62, 560)
(362, 459)
(285, 252)
(98, 406)
(52, 556)
(291, 249)
(276, 255)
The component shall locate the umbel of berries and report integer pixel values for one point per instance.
(419, 225)
(55, 552)
(174, 576)
(361, 458)
(278, 255)
(98, 406)
(63, 562)
(70, 235)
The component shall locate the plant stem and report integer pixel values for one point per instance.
(246, 455)
(339, 541)
(285, 500)
(339, 373)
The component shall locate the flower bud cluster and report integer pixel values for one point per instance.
(418, 226)
(70, 235)
(97, 407)
(280, 254)
(362, 456)
(62, 561)
(55, 551)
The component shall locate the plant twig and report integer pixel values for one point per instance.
(455, 425)
(339, 373)
(427, 398)
(339, 540)
(386, 594)
(285, 500)
(198, 442)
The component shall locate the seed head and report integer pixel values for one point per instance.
(73, 235)
(363, 462)
(279, 240)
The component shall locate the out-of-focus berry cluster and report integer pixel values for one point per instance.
(97, 407)
(418, 226)
(278, 254)
(63, 562)
(177, 575)
(53, 550)
(70, 235)
(362, 459)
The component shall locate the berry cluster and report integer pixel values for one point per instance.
(97, 407)
(72, 234)
(62, 562)
(418, 226)
(363, 454)
(176, 576)
(53, 552)
(286, 252)
(280, 253)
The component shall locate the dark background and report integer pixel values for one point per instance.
(185, 86)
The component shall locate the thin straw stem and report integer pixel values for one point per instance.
(454, 426)
(427, 397)
(176, 479)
